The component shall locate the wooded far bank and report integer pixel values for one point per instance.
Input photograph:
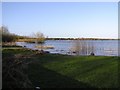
(24, 39)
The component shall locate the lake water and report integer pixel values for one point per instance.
(79, 47)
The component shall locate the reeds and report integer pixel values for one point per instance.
(82, 47)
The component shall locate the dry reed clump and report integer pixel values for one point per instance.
(13, 74)
(83, 48)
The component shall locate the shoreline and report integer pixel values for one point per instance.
(47, 52)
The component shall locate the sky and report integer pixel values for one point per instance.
(62, 19)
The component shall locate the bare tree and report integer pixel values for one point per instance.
(4, 30)
(39, 38)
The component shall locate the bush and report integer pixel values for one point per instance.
(6, 35)
(8, 38)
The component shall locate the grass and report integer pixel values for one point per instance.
(63, 71)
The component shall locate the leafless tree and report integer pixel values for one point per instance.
(39, 38)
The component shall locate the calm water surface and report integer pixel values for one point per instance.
(99, 47)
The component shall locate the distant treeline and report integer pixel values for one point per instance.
(78, 39)
(33, 40)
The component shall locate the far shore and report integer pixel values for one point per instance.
(32, 40)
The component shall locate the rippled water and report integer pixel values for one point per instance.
(99, 47)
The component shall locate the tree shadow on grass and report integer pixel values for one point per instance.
(45, 78)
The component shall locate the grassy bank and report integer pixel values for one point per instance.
(57, 71)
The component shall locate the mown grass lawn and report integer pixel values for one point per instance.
(63, 71)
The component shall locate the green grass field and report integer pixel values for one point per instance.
(63, 71)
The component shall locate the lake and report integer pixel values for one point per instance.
(79, 47)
